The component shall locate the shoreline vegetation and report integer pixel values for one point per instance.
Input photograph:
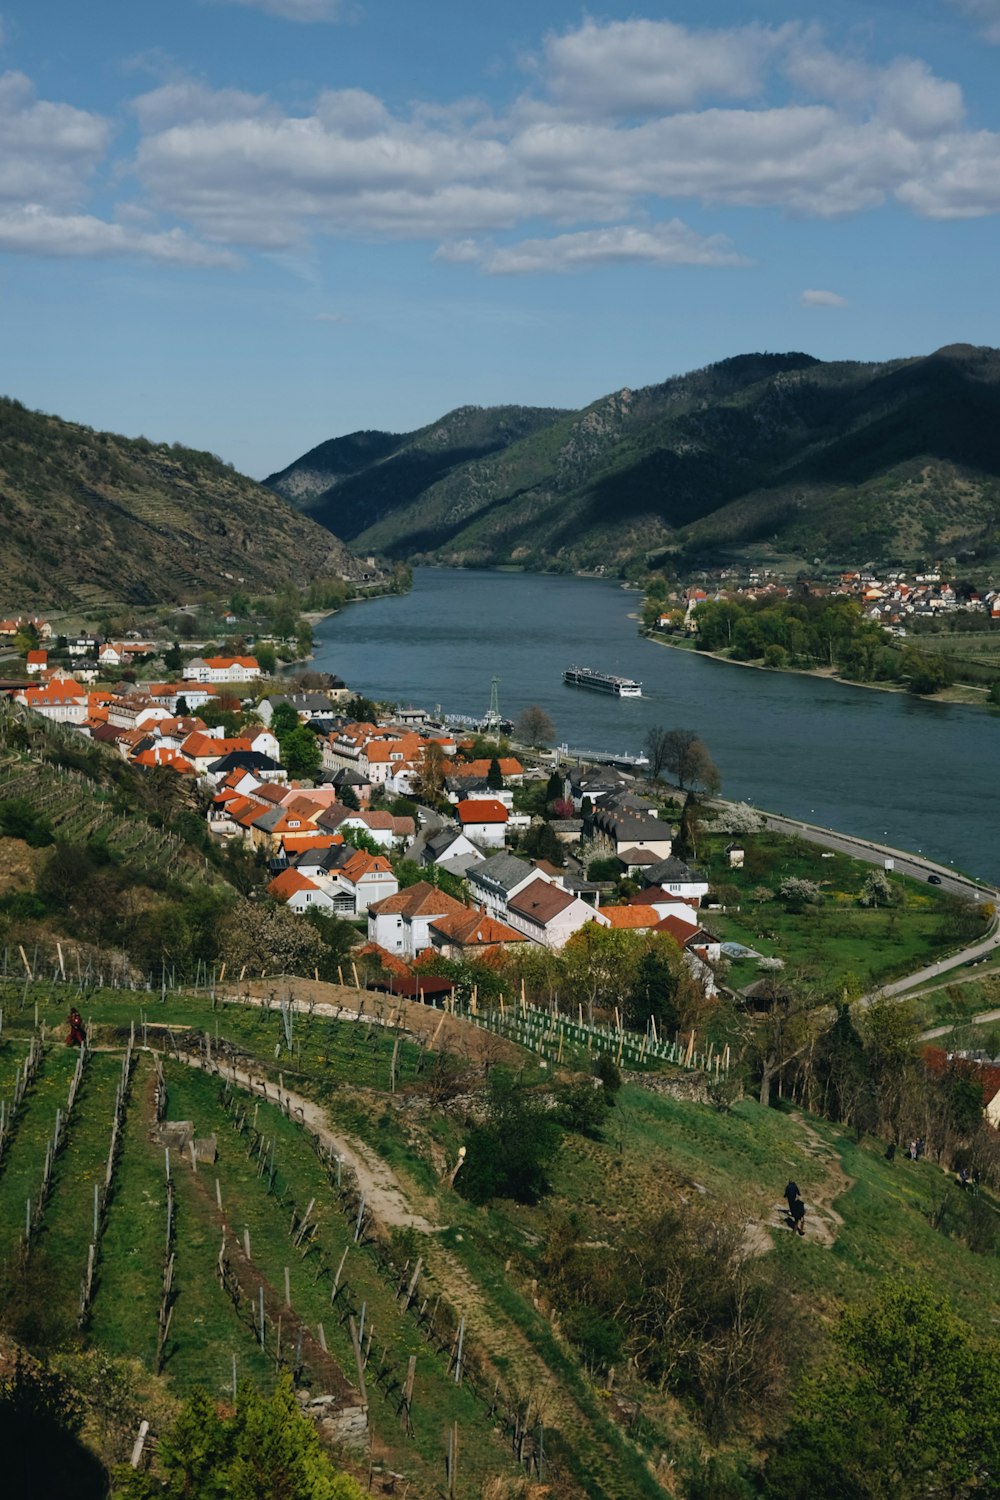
(829, 636)
(959, 693)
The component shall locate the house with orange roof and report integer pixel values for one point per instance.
(371, 955)
(386, 829)
(299, 893)
(511, 769)
(472, 934)
(667, 905)
(64, 702)
(361, 881)
(401, 923)
(164, 755)
(220, 669)
(484, 821)
(35, 662)
(129, 710)
(171, 693)
(631, 918)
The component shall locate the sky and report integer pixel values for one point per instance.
(252, 225)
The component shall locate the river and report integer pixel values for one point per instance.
(906, 771)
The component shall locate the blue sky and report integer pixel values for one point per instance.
(250, 225)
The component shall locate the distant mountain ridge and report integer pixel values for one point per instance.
(822, 459)
(89, 517)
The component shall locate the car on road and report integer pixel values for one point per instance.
(934, 880)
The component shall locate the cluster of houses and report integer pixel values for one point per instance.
(890, 600)
(308, 835)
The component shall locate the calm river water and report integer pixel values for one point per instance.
(916, 774)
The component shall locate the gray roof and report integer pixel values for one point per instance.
(671, 869)
(438, 842)
(503, 870)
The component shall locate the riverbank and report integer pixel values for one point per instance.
(965, 694)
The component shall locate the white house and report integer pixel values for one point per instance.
(401, 923)
(549, 915)
(222, 669)
(484, 821)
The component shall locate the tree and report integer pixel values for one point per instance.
(301, 754)
(654, 991)
(283, 720)
(878, 890)
(349, 797)
(40, 1421)
(907, 1409)
(361, 710)
(430, 777)
(542, 842)
(267, 1447)
(494, 776)
(655, 746)
(534, 727)
(686, 756)
(173, 657)
(508, 1155)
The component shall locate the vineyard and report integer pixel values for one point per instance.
(103, 802)
(173, 1192)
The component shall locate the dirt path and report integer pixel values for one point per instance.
(379, 1184)
(822, 1222)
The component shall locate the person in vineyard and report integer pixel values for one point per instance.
(77, 1035)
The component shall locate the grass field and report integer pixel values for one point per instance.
(837, 937)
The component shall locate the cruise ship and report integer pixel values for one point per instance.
(604, 682)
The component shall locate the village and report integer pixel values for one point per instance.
(894, 598)
(329, 837)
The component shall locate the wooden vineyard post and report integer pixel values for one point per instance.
(452, 1459)
(358, 1360)
(406, 1406)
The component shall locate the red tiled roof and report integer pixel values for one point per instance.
(288, 883)
(482, 810)
(634, 917)
(678, 930)
(474, 929)
(420, 900)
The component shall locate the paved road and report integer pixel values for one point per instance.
(428, 824)
(903, 864)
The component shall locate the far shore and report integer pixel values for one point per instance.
(964, 694)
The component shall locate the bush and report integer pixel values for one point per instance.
(19, 820)
(507, 1156)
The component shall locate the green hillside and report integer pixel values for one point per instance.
(670, 1211)
(89, 517)
(815, 459)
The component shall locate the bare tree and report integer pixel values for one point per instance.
(534, 727)
(686, 757)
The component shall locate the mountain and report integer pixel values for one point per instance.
(89, 517)
(769, 451)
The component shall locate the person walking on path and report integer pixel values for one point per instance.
(798, 1212)
(77, 1035)
(791, 1193)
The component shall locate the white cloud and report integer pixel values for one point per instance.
(295, 10)
(671, 244)
(32, 230)
(814, 298)
(47, 151)
(638, 67)
(985, 12)
(625, 118)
